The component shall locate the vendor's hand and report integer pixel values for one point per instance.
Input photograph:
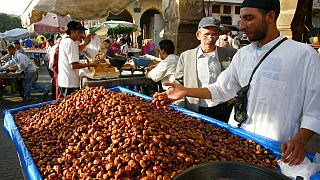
(176, 92)
(293, 152)
(95, 64)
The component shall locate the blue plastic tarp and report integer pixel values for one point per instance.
(32, 172)
(10, 128)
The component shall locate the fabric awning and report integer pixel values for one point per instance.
(14, 34)
(77, 9)
(50, 23)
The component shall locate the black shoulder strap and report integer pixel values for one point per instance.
(264, 57)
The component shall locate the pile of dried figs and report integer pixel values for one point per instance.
(97, 133)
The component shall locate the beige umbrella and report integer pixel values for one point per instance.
(76, 9)
(50, 23)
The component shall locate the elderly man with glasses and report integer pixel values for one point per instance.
(201, 66)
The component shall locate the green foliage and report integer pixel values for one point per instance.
(8, 21)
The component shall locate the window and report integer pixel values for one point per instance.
(226, 20)
(237, 9)
(136, 10)
(226, 9)
(216, 9)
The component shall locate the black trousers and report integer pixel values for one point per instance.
(219, 112)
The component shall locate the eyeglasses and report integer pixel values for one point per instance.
(208, 35)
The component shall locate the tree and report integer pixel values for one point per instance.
(8, 22)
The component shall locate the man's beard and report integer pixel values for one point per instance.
(260, 33)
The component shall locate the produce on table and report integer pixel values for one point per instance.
(97, 133)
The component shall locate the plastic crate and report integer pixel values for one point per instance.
(141, 61)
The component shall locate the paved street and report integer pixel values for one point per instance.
(9, 165)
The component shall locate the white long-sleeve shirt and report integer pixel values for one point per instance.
(165, 69)
(284, 94)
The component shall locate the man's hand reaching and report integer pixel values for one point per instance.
(176, 92)
(293, 152)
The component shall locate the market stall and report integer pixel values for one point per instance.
(138, 83)
(120, 71)
(256, 142)
(129, 77)
(50, 23)
(12, 80)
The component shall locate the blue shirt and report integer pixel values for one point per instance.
(28, 43)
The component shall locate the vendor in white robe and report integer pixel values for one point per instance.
(284, 95)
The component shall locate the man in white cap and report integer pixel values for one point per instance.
(284, 94)
(201, 66)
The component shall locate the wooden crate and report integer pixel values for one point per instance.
(104, 71)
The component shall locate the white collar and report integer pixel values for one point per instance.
(201, 54)
(269, 45)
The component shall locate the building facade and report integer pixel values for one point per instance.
(146, 14)
(227, 11)
(178, 19)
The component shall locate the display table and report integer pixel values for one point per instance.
(37, 54)
(139, 83)
(10, 75)
(32, 172)
(32, 51)
(118, 81)
(132, 79)
(14, 79)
